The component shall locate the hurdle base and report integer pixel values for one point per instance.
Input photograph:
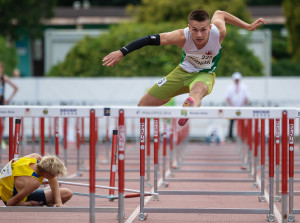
(277, 198)
(291, 218)
(143, 216)
(262, 199)
(271, 217)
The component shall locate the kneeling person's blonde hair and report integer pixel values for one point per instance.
(52, 165)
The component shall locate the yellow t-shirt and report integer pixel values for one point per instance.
(19, 168)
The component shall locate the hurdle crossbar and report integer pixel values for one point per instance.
(58, 209)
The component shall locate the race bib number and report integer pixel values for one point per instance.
(6, 171)
(161, 82)
(200, 61)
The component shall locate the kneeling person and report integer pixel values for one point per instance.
(20, 180)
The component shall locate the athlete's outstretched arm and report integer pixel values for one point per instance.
(170, 38)
(220, 18)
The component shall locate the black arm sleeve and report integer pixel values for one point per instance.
(141, 42)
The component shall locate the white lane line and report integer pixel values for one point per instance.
(276, 211)
(136, 212)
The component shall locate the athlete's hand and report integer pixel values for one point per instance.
(112, 59)
(256, 24)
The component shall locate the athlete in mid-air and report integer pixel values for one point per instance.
(201, 44)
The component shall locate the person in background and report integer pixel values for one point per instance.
(16, 73)
(20, 180)
(237, 96)
(4, 79)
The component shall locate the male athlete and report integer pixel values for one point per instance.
(20, 180)
(201, 44)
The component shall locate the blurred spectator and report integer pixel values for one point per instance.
(16, 72)
(4, 79)
(214, 134)
(237, 96)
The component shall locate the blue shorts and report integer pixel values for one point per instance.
(37, 195)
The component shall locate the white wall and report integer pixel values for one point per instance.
(278, 91)
(127, 91)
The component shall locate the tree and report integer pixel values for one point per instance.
(8, 55)
(172, 11)
(24, 15)
(100, 2)
(156, 16)
(292, 14)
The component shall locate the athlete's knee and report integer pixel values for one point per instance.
(66, 194)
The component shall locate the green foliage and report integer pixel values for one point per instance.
(237, 57)
(285, 67)
(24, 15)
(8, 56)
(264, 2)
(173, 11)
(279, 46)
(85, 58)
(99, 2)
(292, 14)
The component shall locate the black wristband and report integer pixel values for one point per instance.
(141, 42)
(124, 51)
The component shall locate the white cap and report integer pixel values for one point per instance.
(236, 76)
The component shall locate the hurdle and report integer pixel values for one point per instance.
(55, 112)
(236, 113)
(271, 114)
(291, 193)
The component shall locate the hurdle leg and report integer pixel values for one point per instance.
(250, 151)
(256, 140)
(164, 183)
(17, 139)
(11, 138)
(277, 143)
(92, 166)
(113, 164)
(56, 135)
(121, 165)
(284, 170)
(33, 135)
(42, 135)
(77, 123)
(21, 137)
(156, 145)
(148, 184)
(107, 139)
(171, 148)
(65, 139)
(262, 160)
(291, 217)
(142, 215)
(271, 216)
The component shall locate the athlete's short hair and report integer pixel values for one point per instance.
(199, 15)
(52, 165)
